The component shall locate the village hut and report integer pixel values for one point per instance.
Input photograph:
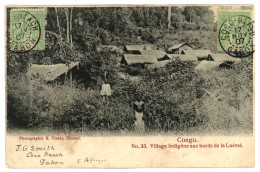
(226, 61)
(199, 54)
(158, 64)
(182, 57)
(207, 65)
(177, 49)
(159, 54)
(57, 72)
(138, 60)
(220, 61)
(136, 49)
(168, 57)
(224, 58)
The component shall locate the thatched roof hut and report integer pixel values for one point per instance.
(187, 57)
(158, 64)
(177, 49)
(177, 46)
(131, 59)
(199, 54)
(224, 58)
(157, 53)
(51, 72)
(136, 49)
(207, 65)
(169, 57)
(182, 57)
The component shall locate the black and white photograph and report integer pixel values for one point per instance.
(126, 71)
(129, 86)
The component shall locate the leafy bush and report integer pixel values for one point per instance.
(227, 104)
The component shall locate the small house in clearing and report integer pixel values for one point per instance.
(177, 49)
(199, 54)
(136, 49)
(57, 72)
(137, 60)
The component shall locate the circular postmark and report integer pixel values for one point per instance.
(236, 36)
(25, 31)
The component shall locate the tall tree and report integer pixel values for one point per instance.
(191, 13)
(169, 17)
(68, 24)
(58, 23)
(71, 44)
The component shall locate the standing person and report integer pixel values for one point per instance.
(105, 90)
(139, 113)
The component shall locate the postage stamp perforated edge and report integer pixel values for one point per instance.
(39, 14)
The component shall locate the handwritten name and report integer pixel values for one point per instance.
(47, 154)
(34, 148)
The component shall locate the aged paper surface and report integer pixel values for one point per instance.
(130, 86)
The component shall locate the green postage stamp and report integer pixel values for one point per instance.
(235, 33)
(27, 29)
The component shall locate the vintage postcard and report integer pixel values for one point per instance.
(128, 86)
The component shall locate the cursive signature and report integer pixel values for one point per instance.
(90, 160)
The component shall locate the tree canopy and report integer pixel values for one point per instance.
(73, 34)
